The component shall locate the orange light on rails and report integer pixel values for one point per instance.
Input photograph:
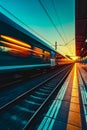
(13, 40)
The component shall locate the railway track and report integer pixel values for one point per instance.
(11, 92)
(11, 79)
(21, 112)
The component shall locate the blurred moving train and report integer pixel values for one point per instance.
(19, 49)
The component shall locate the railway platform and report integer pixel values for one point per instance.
(68, 110)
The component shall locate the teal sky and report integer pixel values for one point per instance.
(62, 13)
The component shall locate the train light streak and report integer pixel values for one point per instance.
(4, 49)
(8, 49)
(13, 40)
(15, 46)
(16, 50)
(37, 51)
(47, 54)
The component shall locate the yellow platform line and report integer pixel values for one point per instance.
(74, 117)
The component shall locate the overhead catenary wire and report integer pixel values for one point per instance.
(58, 19)
(69, 42)
(45, 10)
(59, 34)
(56, 27)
